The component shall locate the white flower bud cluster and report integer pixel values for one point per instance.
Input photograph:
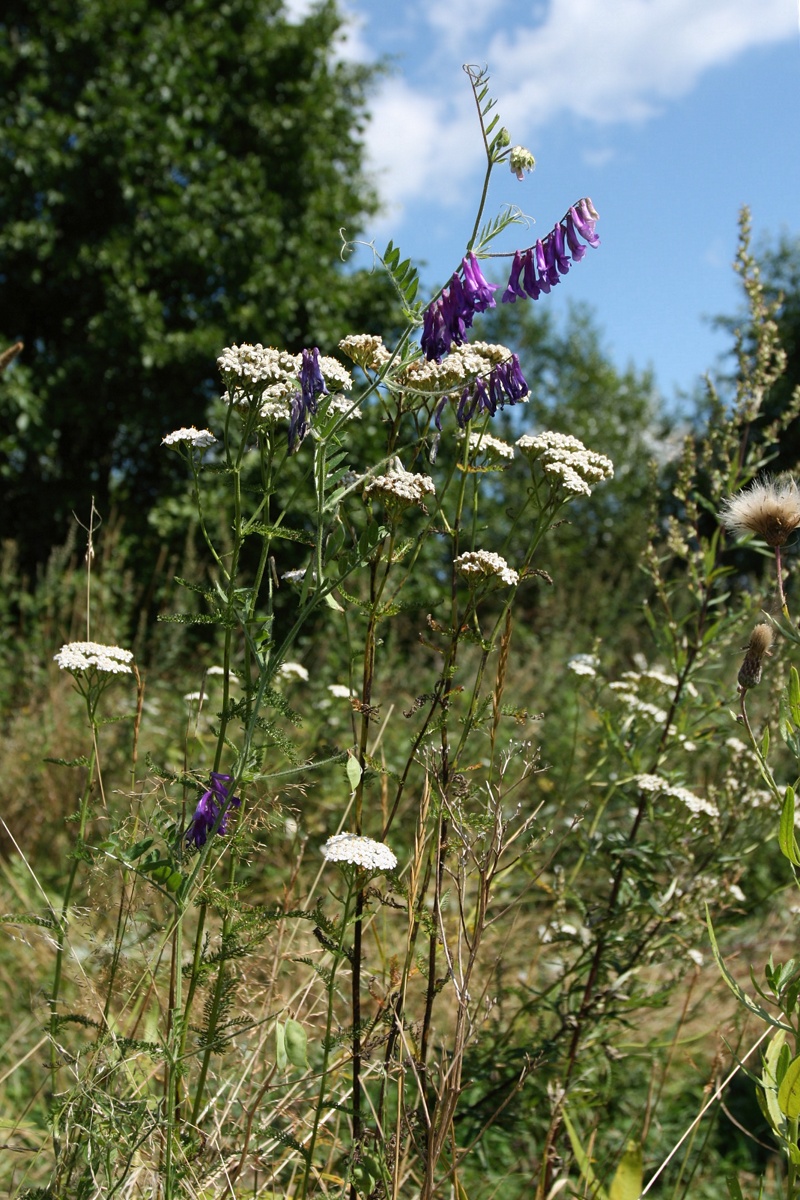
(461, 366)
(360, 852)
(481, 564)
(485, 443)
(566, 458)
(399, 489)
(195, 437)
(583, 664)
(272, 377)
(695, 804)
(92, 656)
(365, 349)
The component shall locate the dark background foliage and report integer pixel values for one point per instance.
(173, 178)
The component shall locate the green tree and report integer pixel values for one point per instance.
(173, 179)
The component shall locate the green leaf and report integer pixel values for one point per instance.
(786, 835)
(794, 696)
(627, 1181)
(583, 1160)
(765, 742)
(789, 1090)
(734, 1191)
(296, 1044)
(280, 1047)
(353, 772)
(741, 995)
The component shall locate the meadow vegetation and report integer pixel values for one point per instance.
(411, 825)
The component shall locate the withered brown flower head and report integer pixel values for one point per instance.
(760, 641)
(767, 508)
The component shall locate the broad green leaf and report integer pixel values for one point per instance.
(789, 1090)
(786, 835)
(627, 1181)
(296, 1044)
(353, 772)
(281, 1057)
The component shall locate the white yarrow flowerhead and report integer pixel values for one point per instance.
(340, 691)
(92, 656)
(767, 508)
(293, 670)
(566, 460)
(365, 349)
(399, 489)
(358, 851)
(484, 443)
(476, 565)
(695, 804)
(583, 664)
(195, 437)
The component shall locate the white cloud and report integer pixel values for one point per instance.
(620, 61)
(603, 61)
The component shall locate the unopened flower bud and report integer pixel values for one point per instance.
(760, 641)
(521, 160)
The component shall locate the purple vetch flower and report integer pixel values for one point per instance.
(305, 402)
(506, 385)
(514, 287)
(478, 291)
(449, 316)
(540, 268)
(213, 802)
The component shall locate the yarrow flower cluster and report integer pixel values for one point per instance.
(92, 656)
(359, 852)
(283, 386)
(767, 508)
(695, 804)
(583, 664)
(483, 443)
(293, 670)
(399, 489)
(195, 437)
(365, 349)
(539, 268)
(475, 565)
(213, 802)
(461, 366)
(566, 459)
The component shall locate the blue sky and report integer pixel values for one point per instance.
(670, 114)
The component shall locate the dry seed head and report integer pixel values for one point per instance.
(760, 641)
(767, 508)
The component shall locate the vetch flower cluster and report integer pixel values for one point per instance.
(450, 315)
(539, 268)
(92, 656)
(566, 459)
(359, 852)
(198, 438)
(767, 508)
(399, 489)
(475, 565)
(213, 802)
(506, 385)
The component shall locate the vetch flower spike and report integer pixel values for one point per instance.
(450, 315)
(538, 269)
(213, 802)
(305, 402)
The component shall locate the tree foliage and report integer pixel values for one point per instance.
(173, 178)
